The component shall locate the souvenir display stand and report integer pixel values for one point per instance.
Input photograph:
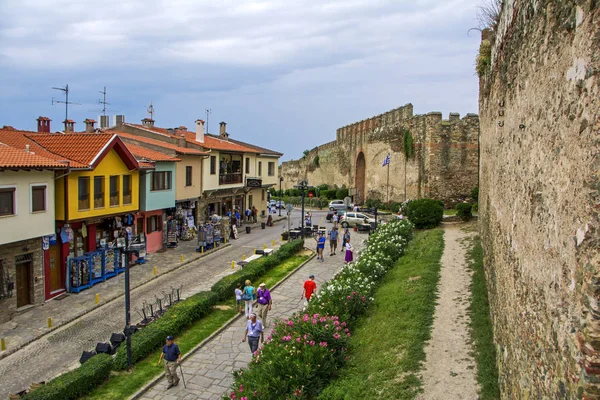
(111, 262)
(79, 274)
(172, 229)
(97, 266)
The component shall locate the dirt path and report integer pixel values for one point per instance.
(450, 371)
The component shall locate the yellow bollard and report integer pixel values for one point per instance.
(97, 298)
(255, 251)
(49, 322)
(273, 243)
(281, 238)
(244, 257)
(2, 345)
(264, 246)
(225, 240)
(202, 250)
(155, 271)
(181, 258)
(233, 265)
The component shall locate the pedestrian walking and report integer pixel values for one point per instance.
(248, 295)
(309, 288)
(320, 246)
(238, 218)
(254, 333)
(346, 237)
(349, 251)
(248, 214)
(307, 219)
(335, 219)
(254, 213)
(172, 356)
(264, 303)
(333, 240)
(239, 303)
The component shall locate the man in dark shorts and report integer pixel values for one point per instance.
(333, 240)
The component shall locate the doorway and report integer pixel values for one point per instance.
(24, 267)
(56, 282)
(360, 178)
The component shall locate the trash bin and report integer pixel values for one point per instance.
(285, 236)
(248, 229)
(263, 225)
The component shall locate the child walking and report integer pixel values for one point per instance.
(239, 304)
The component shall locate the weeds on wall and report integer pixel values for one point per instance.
(484, 58)
(488, 14)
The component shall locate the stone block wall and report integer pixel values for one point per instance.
(540, 197)
(445, 165)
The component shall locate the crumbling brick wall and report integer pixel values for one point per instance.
(540, 197)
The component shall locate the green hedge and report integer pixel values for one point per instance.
(425, 213)
(173, 322)
(76, 383)
(225, 287)
(463, 210)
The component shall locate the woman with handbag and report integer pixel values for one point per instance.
(349, 250)
(248, 295)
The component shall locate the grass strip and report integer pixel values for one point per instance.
(387, 347)
(123, 384)
(482, 332)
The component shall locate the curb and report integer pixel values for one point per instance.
(200, 345)
(13, 350)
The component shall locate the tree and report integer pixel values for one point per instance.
(409, 152)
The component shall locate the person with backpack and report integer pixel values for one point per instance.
(248, 295)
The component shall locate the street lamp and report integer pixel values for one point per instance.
(129, 330)
(280, 194)
(303, 187)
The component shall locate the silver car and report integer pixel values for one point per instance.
(352, 219)
(337, 205)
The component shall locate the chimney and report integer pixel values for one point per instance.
(43, 124)
(89, 125)
(199, 131)
(27, 148)
(120, 120)
(223, 130)
(181, 142)
(69, 125)
(148, 123)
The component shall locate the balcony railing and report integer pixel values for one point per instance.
(227, 179)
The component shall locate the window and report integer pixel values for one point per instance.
(98, 192)
(126, 189)
(213, 165)
(84, 192)
(154, 223)
(271, 170)
(7, 201)
(188, 176)
(247, 165)
(260, 168)
(161, 180)
(38, 198)
(114, 190)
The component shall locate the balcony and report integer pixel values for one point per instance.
(232, 178)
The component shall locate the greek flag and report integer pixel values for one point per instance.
(386, 161)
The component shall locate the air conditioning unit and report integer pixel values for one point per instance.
(119, 119)
(104, 121)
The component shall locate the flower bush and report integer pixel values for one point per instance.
(303, 353)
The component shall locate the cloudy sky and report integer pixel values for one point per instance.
(283, 74)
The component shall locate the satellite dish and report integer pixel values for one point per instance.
(347, 201)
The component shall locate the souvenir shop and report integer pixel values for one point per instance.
(225, 204)
(94, 249)
(217, 230)
(181, 222)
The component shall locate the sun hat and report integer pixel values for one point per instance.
(262, 284)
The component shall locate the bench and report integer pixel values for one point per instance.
(251, 258)
(267, 252)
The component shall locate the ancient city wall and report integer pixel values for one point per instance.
(445, 164)
(540, 197)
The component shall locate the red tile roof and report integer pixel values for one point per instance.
(19, 139)
(11, 158)
(166, 145)
(81, 148)
(142, 153)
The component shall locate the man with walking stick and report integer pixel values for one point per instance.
(172, 356)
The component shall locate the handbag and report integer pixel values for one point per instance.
(246, 296)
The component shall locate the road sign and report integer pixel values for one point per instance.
(310, 194)
(289, 207)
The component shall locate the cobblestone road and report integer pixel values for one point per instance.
(59, 350)
(208, 370)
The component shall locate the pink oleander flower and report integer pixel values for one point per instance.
(337, 336)
(323, 344)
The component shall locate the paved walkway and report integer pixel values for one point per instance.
(81, 323)
(208, 370)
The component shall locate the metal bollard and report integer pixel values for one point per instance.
(225, 240)
(233, 265)
(2, 344)
(202, 250)
(281, 238)
(49, 322)
(181, 258)
(254, 251)
(244, 257)
(273, 243)
(155, 271)
(264, 246)
(97, 298)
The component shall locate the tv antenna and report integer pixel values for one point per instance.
(103, 101)
(150, 110)
(208, 112)
(66, 102)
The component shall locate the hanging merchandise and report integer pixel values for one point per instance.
(83, 230)
(45, 242)
(64, 234)
(79, 274)
(97, 266)
(110, 262)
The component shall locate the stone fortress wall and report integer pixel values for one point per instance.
(445, 164)
(539, 199)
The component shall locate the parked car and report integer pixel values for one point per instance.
(352, 219)
(337, 205)
(280, 204)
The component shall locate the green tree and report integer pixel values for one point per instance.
(409, 152)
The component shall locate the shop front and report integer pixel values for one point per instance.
(152, 223)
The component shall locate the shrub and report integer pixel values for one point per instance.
(484, 58)
(341, 193)
(225, 286)
(476, 206)
(394, 206)
(425, 213)
(463, 210)
(76, 383)
(475, 193)
(374, 203)
(173, 322)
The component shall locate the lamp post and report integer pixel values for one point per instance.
(280, 194)
(128, 331)
(303, 187)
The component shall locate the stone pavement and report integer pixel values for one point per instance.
(207, 371)
(59, 349)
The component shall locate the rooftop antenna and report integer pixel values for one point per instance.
(66, 102)
(208, 112)
(103, 101)
(150, 110)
